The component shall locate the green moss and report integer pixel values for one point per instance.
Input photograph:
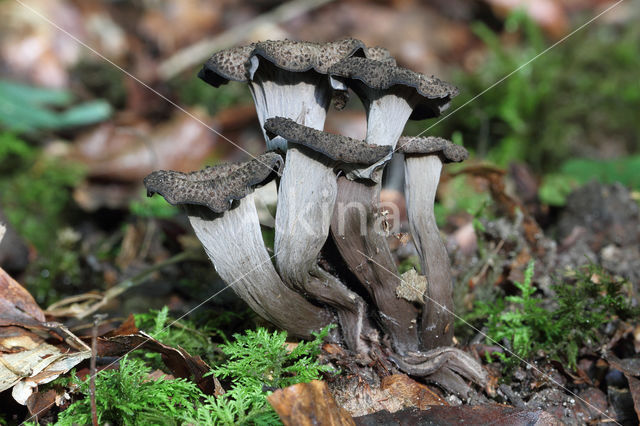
(563, 104)
(583, 304)
(257, 363)
(127, 396)
(196, 340)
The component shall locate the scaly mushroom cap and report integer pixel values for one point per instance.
(226, 65)
(214, 187)
(380, 75)
(301, 56)
(380, 54)
(448, 151)
(336, 147)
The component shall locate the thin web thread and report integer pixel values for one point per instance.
(489, 338)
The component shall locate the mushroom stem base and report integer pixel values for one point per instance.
(359, 239)
(422, 174)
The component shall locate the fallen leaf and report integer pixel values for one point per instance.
(634, 388)
(409, 392)
(308, 404)
(16, 304)
(25, 370)
(26, 359)
(178, 361)
(412, 287)
(39, 403)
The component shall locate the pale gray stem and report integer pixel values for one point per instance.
(387, 115)
(233, 242)
(302, 97)
(354, 232)
(305, 203)
(422, 174)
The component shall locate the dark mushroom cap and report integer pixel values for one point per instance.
(225, 65)
(381, 75)
(448, 151)
(336, 147)
(380, 54)
(214, 187)
(301, 56)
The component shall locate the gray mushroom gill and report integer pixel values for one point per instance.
(390, 95)
(220, 206)
(423, 158)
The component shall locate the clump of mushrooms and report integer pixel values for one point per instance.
(329, 185)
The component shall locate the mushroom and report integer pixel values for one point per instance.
(220, 205)
(305, 203)
(289, 79)
(424, 157)
(391, 95)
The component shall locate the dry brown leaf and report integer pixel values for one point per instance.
(394, 393)
(409, 392)
(27, 369)
(16, 304)
(308, 404)
(26, 359)
(634, 388)
(178, 361)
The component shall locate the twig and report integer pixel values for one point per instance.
(86, 309)
(200, 51)
(92, 377)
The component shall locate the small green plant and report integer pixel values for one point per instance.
(128, 396)
(28, 109)
(581, 306)
(523, 326)
(183, 333)
(564, 106)
(584, 303)
(259, 362)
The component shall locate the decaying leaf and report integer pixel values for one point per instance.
(634, 388)
(395, 393)
(412, 287)
(308, 404)
(26, 360)
(16, 304)
(28, 369)
(178, 361)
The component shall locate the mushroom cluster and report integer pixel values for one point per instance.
(331, 262)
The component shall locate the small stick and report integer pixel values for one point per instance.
(199, 52)
(92, 372)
